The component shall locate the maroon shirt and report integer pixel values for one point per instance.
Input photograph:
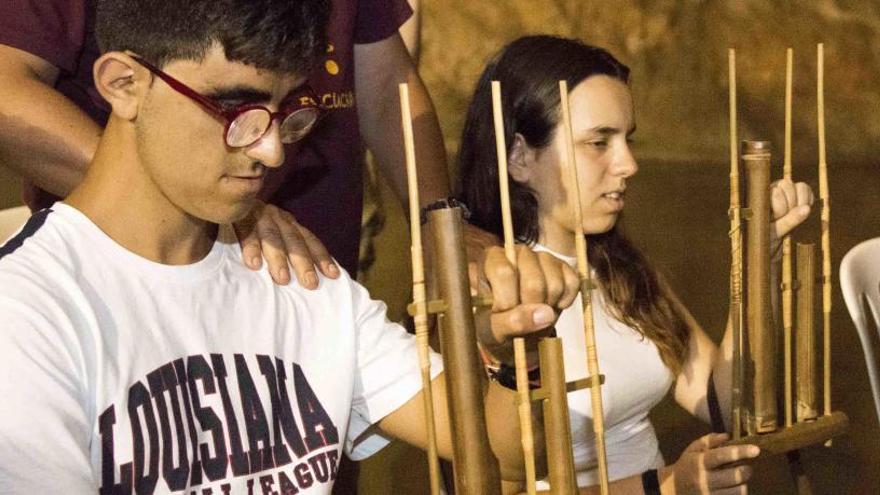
(321, 180)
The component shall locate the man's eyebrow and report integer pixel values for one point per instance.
(244, 94)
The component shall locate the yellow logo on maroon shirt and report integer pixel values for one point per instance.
(330, 65)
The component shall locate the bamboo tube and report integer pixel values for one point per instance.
(735, 233)
(586, 296)
(476, 468)
(787, 305)
(756, 155)
(524, 407)
(556, 422)
(807, 404)
(825, 198)
(419, 293)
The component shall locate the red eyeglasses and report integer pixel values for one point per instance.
(247, 123)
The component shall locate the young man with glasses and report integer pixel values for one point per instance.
(138, 353)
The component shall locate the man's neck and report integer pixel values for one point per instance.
(121, 199)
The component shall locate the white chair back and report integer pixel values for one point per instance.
(11, 220)
(860, 283)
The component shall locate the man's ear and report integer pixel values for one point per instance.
(519, 160)
(121, 81)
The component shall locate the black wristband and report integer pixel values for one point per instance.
(505, 376)
(650, 482)
(715, 417)
(449, 202)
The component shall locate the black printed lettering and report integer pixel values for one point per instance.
(195, 471)
(139, 400)
(199, 370)
(319, 467)
(287, 486)
(238, 458)
(267, 484)
(283, 421)
(163, 380)
(303, 476)
(108, 461)
(260, 453)
(333, 460)
(317, 425)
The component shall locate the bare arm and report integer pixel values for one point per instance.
(44, 137)
(411, 32)
(407, 423)
(379, 68)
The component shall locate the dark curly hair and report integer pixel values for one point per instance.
(279, 35)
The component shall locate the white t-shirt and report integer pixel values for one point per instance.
(121, 373)
(635, 381)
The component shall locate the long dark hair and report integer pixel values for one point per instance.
(529, 70)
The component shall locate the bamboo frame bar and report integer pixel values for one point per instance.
(807, 399)
(756, 155)
(475, 466)
(824, 196)
(800, 435)
(787, 295)
(419, 291)
(586, 297)
(735, 234)
(524, 407)
(560, 460)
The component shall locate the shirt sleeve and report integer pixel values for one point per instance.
(53, 30)
(387, 375)
(44, 426)
(379, 19)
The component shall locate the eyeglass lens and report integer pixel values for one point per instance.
(251, 125)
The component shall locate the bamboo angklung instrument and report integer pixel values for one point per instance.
(735, 233)
(758, 353)
(761, 337)
(475, 466)
(761, 421)
(524, 408)
(586, 297)
(553, 390)
(787, 306)
(419, 293)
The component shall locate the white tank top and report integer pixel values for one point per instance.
(635, 381)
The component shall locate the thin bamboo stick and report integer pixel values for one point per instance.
(736, 274)
(586, 296)
(825, 198)
(501, 153)
(524, 408)
(787, 295)
(419, 292)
